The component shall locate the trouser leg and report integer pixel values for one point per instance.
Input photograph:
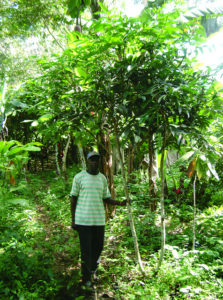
(97, 246)
(85, 237)
(91, 244)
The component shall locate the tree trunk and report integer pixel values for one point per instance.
(95, 9)
(163, 230)
(132, 225)
(64, 159)
(115, 160)
(104, 147)
(82, 158)
(130, 163)
(57, 162)
(194, 217)
(73, 157)
(4, 129)
(152, 183)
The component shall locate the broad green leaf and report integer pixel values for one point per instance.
(34, 144)
(15, 150)
(163, 97)
(2, 145)
(187, 155)
(7, 145)
(31, 148)
(27, 121)
(18, 188)
(45, 117)
(35, 123)
(203, 157)
(200, 169)
(19, 104)
(213, 171)
(80, 72)
(103, 7)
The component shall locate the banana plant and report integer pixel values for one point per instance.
(208, 13)
(204, 10)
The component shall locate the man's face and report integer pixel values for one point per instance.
(93, 164)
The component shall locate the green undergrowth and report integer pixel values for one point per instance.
(39, 253)
(38, 250)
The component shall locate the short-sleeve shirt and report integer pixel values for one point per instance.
(90, 190)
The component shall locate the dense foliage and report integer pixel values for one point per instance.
(130, 88)
(40, 253)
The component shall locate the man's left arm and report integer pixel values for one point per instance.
(114, 202)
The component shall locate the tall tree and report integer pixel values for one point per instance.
(142, 79)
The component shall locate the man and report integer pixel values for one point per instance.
(89, 193)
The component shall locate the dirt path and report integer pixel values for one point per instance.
(63, 243)
(59, 236)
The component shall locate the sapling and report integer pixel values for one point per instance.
(194, 218)
(64, 168)
(131, 221)
(163, 229)
(56, 158)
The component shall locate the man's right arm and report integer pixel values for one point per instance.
(73, 204)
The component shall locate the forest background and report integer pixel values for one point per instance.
(81, 75)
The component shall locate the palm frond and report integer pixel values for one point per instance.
(208, 10)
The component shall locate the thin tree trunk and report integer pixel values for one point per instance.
(64, 159)
(194, 218)
(82, 158)
(104, 147)
(152, 184)
(130, 163)
(163, 229)
(95, 9)
(132, 225)
(57, 162)
(4, 129)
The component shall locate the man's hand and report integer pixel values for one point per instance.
(73, 203)
(74, 226)
(115, 202)
(123, 203)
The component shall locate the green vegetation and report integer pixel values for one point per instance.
(40, 253)
(132, 89)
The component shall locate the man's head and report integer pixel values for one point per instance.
(93, 163)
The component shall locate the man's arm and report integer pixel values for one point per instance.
(114, 202)
(73, 204)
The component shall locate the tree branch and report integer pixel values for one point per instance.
(58, 43)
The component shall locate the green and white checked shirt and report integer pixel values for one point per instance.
(90, 190)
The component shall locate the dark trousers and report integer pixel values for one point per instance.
(91, 245)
